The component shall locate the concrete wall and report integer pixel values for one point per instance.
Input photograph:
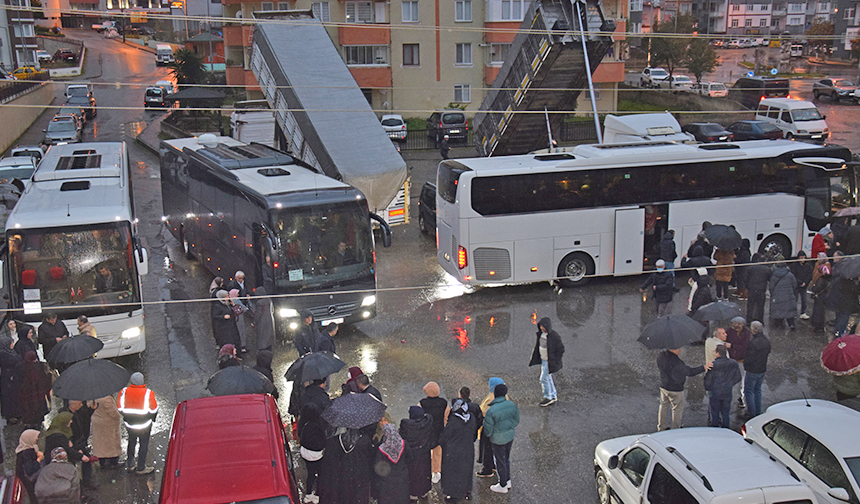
(53, 44)
(17, 119)
(70, 71)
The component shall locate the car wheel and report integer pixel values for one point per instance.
(575, 269)
(834, 97)
(789, 136)
(603, 489)
(641, 83)
(422, 224)
(815, 94)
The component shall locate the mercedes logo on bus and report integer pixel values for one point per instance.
(332, 310)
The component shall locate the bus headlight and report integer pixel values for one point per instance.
(293, 326)
(288, 313)
(369, 300)
(133, 332)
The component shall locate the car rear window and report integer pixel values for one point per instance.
(455, 118)
(392, 121)
(767, 127)
(711, 128)
(153, 92)
(717, 87)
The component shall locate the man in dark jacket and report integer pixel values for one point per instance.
(366, 387)
(719, 382)
(738, 339)
(667, 250)
(315, 393)
(500, 424)
(325, 339)
(842, 298)
(662, 284)
(707, 248)
(697, 259)
(547, 352)
(51, 332)
(758, 276)
(673, 376)
(755, 365)
(306, 337)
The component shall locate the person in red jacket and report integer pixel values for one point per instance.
(821, 241)
(139, 409)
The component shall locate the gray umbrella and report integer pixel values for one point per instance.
(718, 310)
(354, 411)
(74, 349)
(91, 379)
(239, 380)
(314, 366)
(671, 331)
(723, 237)
(847, 268)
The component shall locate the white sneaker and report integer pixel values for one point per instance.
(508, 486)
(499, 488)
(804, 316)
(311, 499)
(437, 477)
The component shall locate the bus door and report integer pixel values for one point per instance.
(629, 241)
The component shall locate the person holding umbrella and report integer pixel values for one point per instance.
(312, 445)
(139, 409)
(841, 358)
(673, 376)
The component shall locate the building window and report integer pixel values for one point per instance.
(464, 54)
(410, 55)
(635, 5)
(765, 7)
(462, 93)
(366, 55)
(282, 6)
(774, 23)
(762, 22)
(321, 11)
(497, 53)
(795, 7)
(463, 10)
(849, 12)
(755, 7)
(410, 11)
(512, 10)
(359, 12)
(268, 6)
(736, 7)
(23, 30)
(734, 23)
(748, 22)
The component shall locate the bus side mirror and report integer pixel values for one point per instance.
(385, 229)
(142, 259)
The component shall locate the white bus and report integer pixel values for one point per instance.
(72, 246)
(602, 209)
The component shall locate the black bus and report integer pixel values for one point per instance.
(291, 229)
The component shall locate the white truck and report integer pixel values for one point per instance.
(163, 54)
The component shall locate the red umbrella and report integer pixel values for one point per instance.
(842, 356)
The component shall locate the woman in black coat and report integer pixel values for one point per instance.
(10, 377)
(29, 461)
(223, 321)
(347, 467)
(458, 452)
(390, 478)
(417, 431)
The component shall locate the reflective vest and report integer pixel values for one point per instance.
(138, 406)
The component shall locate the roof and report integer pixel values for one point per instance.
(197, 468)
(23, 161)
(790, 103)
(197, 93)
(201, 37)
(730, 463)
(824, 420)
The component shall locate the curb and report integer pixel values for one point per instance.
(137, 46)
(146, 146)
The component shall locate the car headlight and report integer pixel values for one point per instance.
(802, 132)
(369, 300)
(133, 332)
(288, 313)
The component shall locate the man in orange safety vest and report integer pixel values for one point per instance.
(139, 409)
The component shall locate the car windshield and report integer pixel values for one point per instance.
(842, 83)
(83, 268)
(153, 92)
(659, 72)
(681, 78)
(810, 114)
(77, 91)
(712, 128)
(392, 121)
(58, 126)
(853, 464)
(321, 245)
(70, 111)
(767, 127)
(78, 100)
(453, 118)
(717, 87)
(23, 173)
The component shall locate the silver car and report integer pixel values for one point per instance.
(62, 131)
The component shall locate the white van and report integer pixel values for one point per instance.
(163, 54)
(796, 118)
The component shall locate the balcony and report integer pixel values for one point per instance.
(779, 12)
(620, 32)
(609, 71)
(500, 32)
(364, 34)
(371, 76)
(490, 73)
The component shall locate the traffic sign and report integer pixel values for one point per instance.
(750, 74)
(774, 71)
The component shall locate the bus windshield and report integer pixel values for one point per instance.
(322, 245)
(85, 268)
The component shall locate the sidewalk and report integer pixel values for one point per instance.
(148, 138)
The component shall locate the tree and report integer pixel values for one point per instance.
(187, 67)
(855, 48)
(820, 35)
(701, 58)
(671, 51)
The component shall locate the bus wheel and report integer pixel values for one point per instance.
(775, 245)
(421, 224)
(575, 269)
(183, 241)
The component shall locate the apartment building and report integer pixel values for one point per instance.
(414, 56)
(17, 33)
(846, 20)
(748, 17)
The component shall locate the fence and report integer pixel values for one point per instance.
(577, 131)
(9, 90)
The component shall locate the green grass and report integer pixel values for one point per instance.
(638, 106)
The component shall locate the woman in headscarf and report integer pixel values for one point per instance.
(216, 285)
(10, 378)
(29, 461)
(417, 431)
(437, 407)
(223, 322)
(390, 483)
(106, 431)
(227, 357)
(485, 449)
(239, 309)
(26, 337)
(346, 468)
(264, 321)
(59, 433)
(351, 385)
(34, 391)
(58, 481)
(458, 452)
(818, 289)
(264, 366)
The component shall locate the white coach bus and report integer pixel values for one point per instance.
(72, 246)
(602, 209)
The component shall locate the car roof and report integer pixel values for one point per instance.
(789, 103)
(16, 161)
(393, 116)
(826, 421)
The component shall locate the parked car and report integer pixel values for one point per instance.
(679, 83)
(717, 43)
(836, 89)
(26, 72)
(652, 77)
(61, 131)
(17, 167)
(734, 44)
(817, 440)
(43, 55)
(712, 89)
(796, 118)
(699, 465)
(12, 491)
(66, 55)
(75, 110)
(88, 103)
(78, 90)
(155, 96)
(33, 151)
(754, 130)
(395, 126)
(138, 30)
(448, 122)
(427, 209)
(749, 91)
(708, 132)
(69, 117)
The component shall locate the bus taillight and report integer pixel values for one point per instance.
(462, 260)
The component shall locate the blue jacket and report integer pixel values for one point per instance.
(500, 421)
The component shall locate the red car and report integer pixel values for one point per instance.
(12, 491)
(228, 449)
(66, 55)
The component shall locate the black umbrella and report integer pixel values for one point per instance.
(314, 366)
(74, 349)
(718, 310)
(671, 331)
(239, 380)
(847, 268)
(723, 237)
(91, 379)
(354, 411)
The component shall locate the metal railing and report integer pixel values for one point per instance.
(577, 131)
(9, 90)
